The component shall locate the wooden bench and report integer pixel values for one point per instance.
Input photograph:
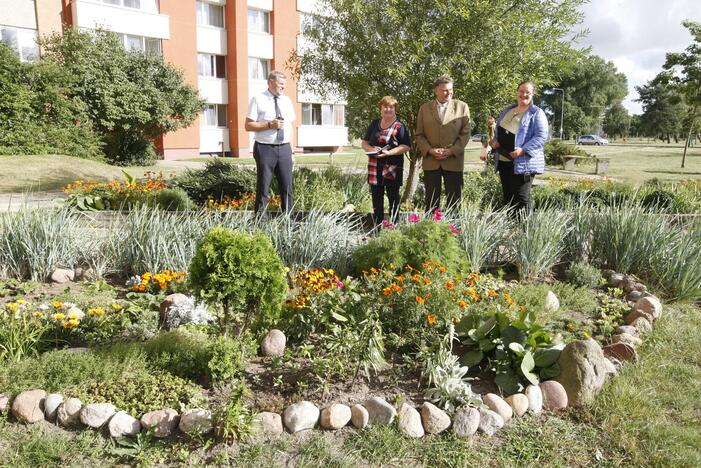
(602, 164)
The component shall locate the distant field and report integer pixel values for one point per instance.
(633, 162)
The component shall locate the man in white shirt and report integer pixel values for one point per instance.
(270, 116)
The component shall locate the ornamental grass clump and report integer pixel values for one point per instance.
(481, 235)
(243, 274)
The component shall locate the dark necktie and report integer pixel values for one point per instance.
(278, 114)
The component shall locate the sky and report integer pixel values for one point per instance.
(636, 34)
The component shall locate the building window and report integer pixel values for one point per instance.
(210, 15)
(323, 114)
(24, 41)
(258, 68)
(211, 65)
(214, 115)
(144, 5)
(258, 21)
(141, 43)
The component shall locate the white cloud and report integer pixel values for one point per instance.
(636, 34)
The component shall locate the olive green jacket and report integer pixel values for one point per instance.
(453, 132)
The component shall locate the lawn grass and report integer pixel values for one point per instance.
(647, 416)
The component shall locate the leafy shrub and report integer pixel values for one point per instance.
(243, 273)
(584, 275)
(482, 189)
(555, 149)
(232, 419)
(413, 244)
(218, 179)
(228, 356)
(658, 199)
(313, 191)
(140, 392)
(183, 352)
(173, 200)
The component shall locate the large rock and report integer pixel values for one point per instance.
(554, 395)
(535, 398)
(123, 424)
(68, 413)
(435, 420)
(300, 416)
(51, 404)
(518, 403)
(621, 351)
(651, 305)
(196, 421)
(633, 296)
(269, 424)
(28, 407)
(164, 422)
(637, 313)
(490, 422)
(643, 325)
(583, 370)
(615, 280)
(62, 275)
(466, 421)
(409, 421)
(552, 303)
(4, 403)
(634, 341)
(273, 344)
(498, 405)
(95, 415)
(629, 329)
(359, 416)
(379, 411)
(168, 302)
(335, 416)
(628, 284)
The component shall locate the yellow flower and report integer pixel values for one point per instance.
(59, 316)
(96, 312)
(37, 314)
(116, 306)
(462, 304)
(21, 301)
(71, 323)
(57, 304)
(12, 307)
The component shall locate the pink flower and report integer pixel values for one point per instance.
(437, 215)
(387, 225)
(339, 284)
(413, 218)
(455, 230)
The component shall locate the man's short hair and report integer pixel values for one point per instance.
(276, 75)
(444, 79)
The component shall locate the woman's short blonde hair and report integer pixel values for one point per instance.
(388, 101)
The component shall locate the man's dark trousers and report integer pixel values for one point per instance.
(453, 189)
(273, 160)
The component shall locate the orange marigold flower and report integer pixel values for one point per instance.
(387, 291)
(449, 285)
(427, 281)
(462, 304)
(491, 293)
(420, 299)
(431, 319)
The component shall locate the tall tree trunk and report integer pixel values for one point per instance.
(412, 181)
(688, 137)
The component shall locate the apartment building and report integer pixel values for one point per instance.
(225, 49)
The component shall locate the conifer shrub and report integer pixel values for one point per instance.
(243, 274)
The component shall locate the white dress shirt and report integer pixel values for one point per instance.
(262, 108)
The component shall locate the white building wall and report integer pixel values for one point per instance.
(211, 139)
(260, 45)
(213, 90)
(261, 4)
(211, 40)
(18, 13)
(317, 135)
(307, 6)
(92, 15)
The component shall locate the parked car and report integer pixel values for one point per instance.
(477, 137)
(592, 140)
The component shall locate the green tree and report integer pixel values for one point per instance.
(131, 97)
(688, 78)
(365, 49)
(616, 121)
(663, 109)
(39, 115)
(592, 85)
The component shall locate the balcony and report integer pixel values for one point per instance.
(92, 15)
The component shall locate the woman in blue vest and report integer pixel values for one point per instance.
(522, 130)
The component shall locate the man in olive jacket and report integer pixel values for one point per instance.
(442, 132)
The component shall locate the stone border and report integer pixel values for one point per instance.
(585, 367)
